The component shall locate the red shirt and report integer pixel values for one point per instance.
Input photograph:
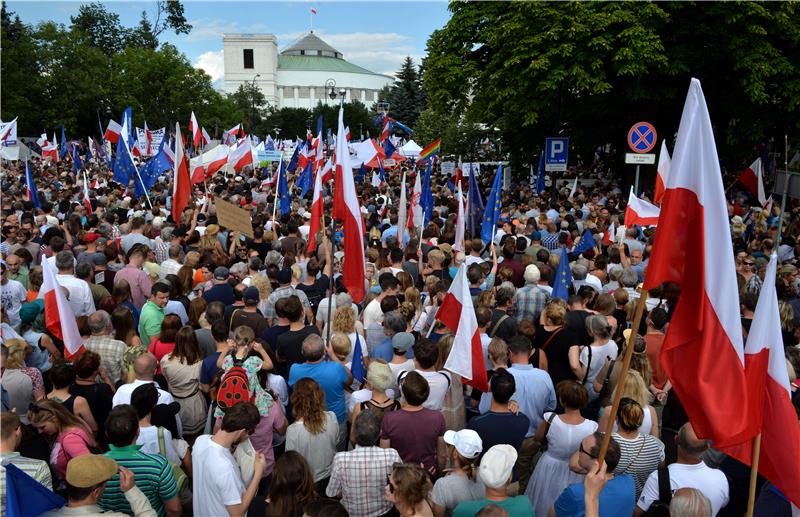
(654, 340)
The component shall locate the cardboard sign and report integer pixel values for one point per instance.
(234, 218)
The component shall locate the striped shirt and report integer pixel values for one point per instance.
(153, 476)
(639, 457)
(37, 469)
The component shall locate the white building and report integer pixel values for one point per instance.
(296, 77)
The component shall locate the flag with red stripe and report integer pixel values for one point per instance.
(640, 212)
(58, 315)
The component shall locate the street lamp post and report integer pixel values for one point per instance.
(253, 102)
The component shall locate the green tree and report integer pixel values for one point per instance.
(249, 99)
(101, 26)
(590, 69)
(406, 98)
(22, 85)
(142, 35)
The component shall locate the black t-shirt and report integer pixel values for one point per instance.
(316, 292)
(576, 321)
(290, 347)
(506, 330)
(220, 293)
(496, 428)
(270, 335)
(261, 247)
(557, 351)
(99, 396)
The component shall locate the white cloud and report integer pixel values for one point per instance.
(213, 63)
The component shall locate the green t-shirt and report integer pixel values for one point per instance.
(519, 506)
(150, 321)
(153, 476)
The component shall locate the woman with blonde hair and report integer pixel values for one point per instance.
(461, 483)
(261, 282)
(125, 330)
(412, 296)
(408, 488)
(315, 431)
(66, 432)
(453, 407)
(210, 242)
(17, 350)
(344, 321)
(635, 388)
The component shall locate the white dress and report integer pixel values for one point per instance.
(552, 475)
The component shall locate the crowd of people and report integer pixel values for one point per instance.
(217, 376)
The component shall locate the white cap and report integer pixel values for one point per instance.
(497, 465)
(467, 442)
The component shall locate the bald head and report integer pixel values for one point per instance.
(145, 367)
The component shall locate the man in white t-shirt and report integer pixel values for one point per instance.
(217, 485)
(389, 287)
(12, 295)
(426, 354)
(688, 472)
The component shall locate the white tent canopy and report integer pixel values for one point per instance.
(411, 149)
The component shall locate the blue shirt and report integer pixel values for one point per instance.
(330, 376)
(385, 351)
(617, 498)
(209, 368)
(535, 394)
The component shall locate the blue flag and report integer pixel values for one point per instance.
(152, 170)
(493, 205)
(285, 205)
(586, 243)
(26, 497)
(357, 367)
(474, 204)
(319, 127)
(405, 128)
(63, 149)
(304, 181)
(362, 173)
(540, 175)
(295, 156)
(123, 163)
(426, 199)
(33, 195)
(382, 174)
(563, 277)
(77, 164)
(388, 148)
(127, 113)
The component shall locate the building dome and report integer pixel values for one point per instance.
(311, 45)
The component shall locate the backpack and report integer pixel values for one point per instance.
(660, 508)
(234, 386)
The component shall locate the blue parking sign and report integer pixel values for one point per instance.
(556, 154)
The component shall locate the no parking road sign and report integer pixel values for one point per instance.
(642, 137)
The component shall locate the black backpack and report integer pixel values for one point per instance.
(660, 508)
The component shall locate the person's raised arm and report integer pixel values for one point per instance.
(267, 361)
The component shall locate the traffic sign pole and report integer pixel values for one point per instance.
(636, 181)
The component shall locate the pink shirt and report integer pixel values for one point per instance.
(138, 280)
(69, 444)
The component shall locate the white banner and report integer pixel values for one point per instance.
(141, 140)
(468, 167)
(8, 132)
(448, 168)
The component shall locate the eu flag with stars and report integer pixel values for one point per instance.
(586, 243)
(563, 277)
(150, 172)
(357, 368)
(493, 205)
(304, 181)
(540, 175)
(474, 204)
(123, 163)
(285, 205)
(426, 199)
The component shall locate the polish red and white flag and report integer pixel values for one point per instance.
(702, 352)
(662, 172)
(58, 316)
(640, 212)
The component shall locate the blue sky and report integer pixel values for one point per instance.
(375, 35)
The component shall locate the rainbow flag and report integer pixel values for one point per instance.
(431, 150)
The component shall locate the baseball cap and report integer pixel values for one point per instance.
(466, 441)
(99, 259)
(89, 470)
(402, 341)
(221, 273)
(251, 295)
(497, 465)
(284, 276)
(536, 236)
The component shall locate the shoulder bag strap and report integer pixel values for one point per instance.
(664, 488)
(503, 318)
(556, 331)
(588, 365)
(162, 447)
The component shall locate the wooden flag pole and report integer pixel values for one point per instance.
(751, 495)
(626, 363)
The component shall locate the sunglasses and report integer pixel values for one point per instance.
(749, 263)
(580, 448)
